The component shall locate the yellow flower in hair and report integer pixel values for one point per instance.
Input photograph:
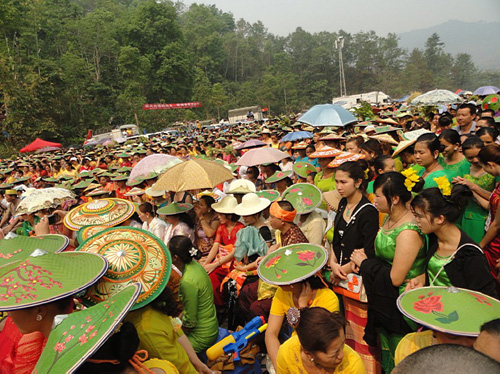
(444, 185)
(411, 178)
(367, 171)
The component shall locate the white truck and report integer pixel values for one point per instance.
(119, 134)
(374, 98)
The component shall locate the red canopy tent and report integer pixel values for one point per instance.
(37, 144)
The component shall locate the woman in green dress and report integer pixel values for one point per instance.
(199, 316)
(452, 160)
(453, 258)
(399, 245)
(427, 148)
(481, 184)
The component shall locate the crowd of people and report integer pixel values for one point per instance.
(362, 246)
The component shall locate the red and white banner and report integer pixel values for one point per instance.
(171, 106)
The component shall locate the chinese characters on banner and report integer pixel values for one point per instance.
(171, 106)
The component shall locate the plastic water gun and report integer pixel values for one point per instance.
(238, 340)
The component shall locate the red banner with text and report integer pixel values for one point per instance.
(171, 106)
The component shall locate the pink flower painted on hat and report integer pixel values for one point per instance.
(68, 338)
(83, 339)
(306, 255)
(60, 347)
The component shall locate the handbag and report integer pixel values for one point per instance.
(352, 287)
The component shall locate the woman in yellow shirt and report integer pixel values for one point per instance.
(319, 346)
(294, 269)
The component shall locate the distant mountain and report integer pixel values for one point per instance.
(479, 39)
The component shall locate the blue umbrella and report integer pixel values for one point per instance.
(296, 135)
(327, 115)
(486, 90)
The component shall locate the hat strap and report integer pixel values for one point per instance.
(136, 361)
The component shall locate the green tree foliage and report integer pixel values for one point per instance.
(67, 66)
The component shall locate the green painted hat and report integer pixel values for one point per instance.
(303, 169)
(123, 154)
(305, 197)
(135, 182)
(22, 179)
(21, 247)
(44, 277)
(50, 180)
(82, 333)
(451, 310)
(175, 208)
(150, 175)
(87, 231)
(82, 184)
(119, 178)
(4, 186)
(279, 175)
(292, 264)
(491, 102)
(134, 255)
(108, 212)
(271, 195)
(124, 169)
(86, 174)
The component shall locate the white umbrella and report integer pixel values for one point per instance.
(436, 97)
(34, 200)
(156, 163)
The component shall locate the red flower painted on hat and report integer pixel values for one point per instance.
(272, 262)
(280, 174)
(68, 338)
(295, 190)
(481, 299)
(307, 201)
(429, 304)
(306, 255)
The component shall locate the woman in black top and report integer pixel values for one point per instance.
(356, 226)
(356, 222)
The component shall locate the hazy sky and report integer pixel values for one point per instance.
(284, 16)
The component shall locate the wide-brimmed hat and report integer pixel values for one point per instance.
(44, 277)
(386, 138)
(135, 182)
(279, 175)
(82, 333)
(21, 247)
(344, 157)
(271, 195)
(332, 198)
(304, 197)
(300, 145)
(108, 212)
(333, 137)
(402, 146)
(451, 310)
(226, 205)
(150, 191)
(134, 192)
(303, 169)
(326, 152)
(175, 208)
(292, 264)
(251, 204)
(87, 231)
(241, 186)
(134, 255)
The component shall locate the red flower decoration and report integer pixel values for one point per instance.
(306, 255)
(273, 261)
(429, 305)
(481, 299)
(307, 201)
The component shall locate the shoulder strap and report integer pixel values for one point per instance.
(357, 211)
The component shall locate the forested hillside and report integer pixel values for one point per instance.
(71, 65)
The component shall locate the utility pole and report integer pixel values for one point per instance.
(339, 44)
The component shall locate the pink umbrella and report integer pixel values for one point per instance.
(252, 143)
(261, 156)
(157, 163)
